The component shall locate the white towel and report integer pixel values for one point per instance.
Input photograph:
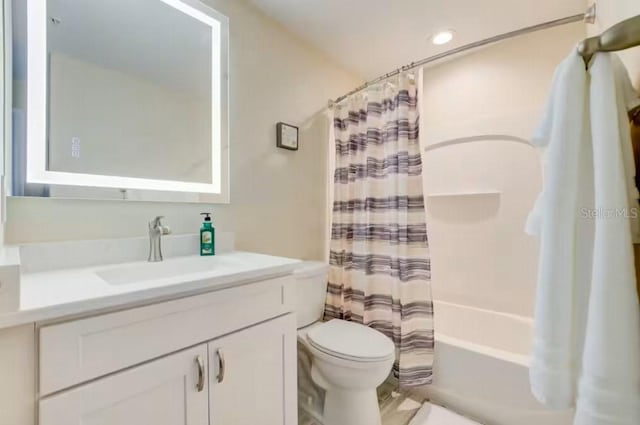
(587, 315)
(609, 390)
(556, 220)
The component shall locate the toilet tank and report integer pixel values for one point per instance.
(311, 290)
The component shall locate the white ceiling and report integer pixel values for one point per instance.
(373, 37)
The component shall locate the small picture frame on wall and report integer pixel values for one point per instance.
(287, 136)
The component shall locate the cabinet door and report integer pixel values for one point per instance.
(162, 392)
(253, 375)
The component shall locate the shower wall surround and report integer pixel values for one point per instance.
(481, 256)
(273, 76)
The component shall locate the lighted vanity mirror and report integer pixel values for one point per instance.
(120, 99)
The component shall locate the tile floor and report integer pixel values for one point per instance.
(397, 408)
(405, 409)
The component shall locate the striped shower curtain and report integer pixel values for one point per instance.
(380, 268)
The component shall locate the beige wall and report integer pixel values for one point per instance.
(610, 12)
(479, 193)
(277, 196)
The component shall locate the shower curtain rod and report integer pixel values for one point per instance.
(588, 17)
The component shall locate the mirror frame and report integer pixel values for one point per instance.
(37, 115)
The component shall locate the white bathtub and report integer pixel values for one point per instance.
(481, 367)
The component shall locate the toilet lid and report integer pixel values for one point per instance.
(351, 341)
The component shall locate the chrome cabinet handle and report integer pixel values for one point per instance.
(200, 363)
(221, 365)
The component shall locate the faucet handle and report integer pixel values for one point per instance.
(156, 222)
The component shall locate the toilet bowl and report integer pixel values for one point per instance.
(349, 360)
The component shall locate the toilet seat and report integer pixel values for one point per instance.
(351, 341)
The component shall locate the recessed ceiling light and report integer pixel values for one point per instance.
(442, 37)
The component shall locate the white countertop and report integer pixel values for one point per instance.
(50, 295)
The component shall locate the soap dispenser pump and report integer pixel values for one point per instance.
(207, 236)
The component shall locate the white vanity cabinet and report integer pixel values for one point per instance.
(235, 364)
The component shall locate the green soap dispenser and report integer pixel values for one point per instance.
(207, 236)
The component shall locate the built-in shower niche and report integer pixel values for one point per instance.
(464, 206)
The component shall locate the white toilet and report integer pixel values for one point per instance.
(349, 360)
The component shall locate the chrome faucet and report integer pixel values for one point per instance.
(156, 230)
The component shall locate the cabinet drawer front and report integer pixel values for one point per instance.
(162, 392)
(80, 350)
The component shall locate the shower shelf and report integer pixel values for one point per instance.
(486, 193)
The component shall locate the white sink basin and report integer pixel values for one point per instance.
(140, 272)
